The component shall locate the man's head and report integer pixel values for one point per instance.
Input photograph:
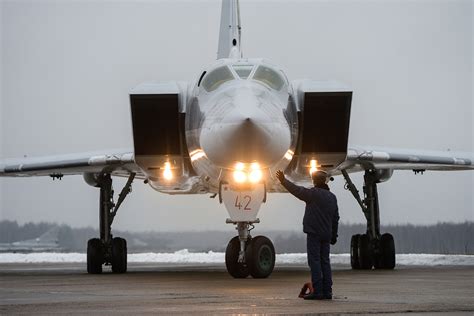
(319, 178)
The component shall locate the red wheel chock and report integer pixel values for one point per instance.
(306, 289)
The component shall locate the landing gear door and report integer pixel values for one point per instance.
(158, 114)
(242, 205)
(324, 110)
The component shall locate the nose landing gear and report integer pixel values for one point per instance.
(255, 258)
(246, 255)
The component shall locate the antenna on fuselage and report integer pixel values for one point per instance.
(230, 31)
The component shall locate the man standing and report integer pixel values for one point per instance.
(320, 223)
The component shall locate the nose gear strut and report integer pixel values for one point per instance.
(246, 255)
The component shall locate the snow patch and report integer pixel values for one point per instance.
(181, 256)
(184, 256)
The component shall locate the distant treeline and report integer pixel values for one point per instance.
(443, 238)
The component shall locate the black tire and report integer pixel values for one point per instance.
(387, 251)
(234, 267)
(260, 257)
(365, 252)
(355, 252)
(119, 255)
(378, 260)
(95, 256)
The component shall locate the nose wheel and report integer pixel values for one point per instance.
(236, 269)
(246, 256)
(260, 257)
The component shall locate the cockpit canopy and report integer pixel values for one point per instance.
(269, 77)
(261, 73)
(216, 78)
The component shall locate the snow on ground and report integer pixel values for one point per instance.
(184, 256)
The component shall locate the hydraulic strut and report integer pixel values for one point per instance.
(243, 229)
(107, 208)
(353, 189)
(370, 203)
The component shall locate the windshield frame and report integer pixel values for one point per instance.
(235, 67)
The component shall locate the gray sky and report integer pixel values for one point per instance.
(67, 67)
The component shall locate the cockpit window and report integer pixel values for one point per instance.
(243, 70)
(269, 77)
(215, 78)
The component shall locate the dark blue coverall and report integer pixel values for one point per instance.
(320, 223)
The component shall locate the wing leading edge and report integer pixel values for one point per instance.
(406, 159)
(120, 163)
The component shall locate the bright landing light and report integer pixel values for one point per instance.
(313, 167)
(167, 174)
(239, 173)
(242, 174)
(255, 172)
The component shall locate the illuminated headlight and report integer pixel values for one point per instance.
(240, 176)
(244, 172)
(167, 174)
(313, 167)
(255, 173)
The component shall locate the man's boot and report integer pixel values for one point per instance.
(314, 296)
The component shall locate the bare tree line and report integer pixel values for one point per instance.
(442, 238)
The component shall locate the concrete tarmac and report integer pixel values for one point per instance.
(202, 289)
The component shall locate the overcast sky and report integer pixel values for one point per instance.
(67, 67)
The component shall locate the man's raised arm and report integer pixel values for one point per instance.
(300, 192)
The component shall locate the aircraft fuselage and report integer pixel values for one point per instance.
(238, 125)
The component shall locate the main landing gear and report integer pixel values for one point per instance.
(106, 249)
(371, 249)
(246, 255)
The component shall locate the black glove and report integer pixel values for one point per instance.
(333, 240)
(280, 176)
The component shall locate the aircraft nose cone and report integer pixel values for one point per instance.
(246, 134)
(246, 139)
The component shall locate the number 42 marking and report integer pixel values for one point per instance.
(245, 202)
